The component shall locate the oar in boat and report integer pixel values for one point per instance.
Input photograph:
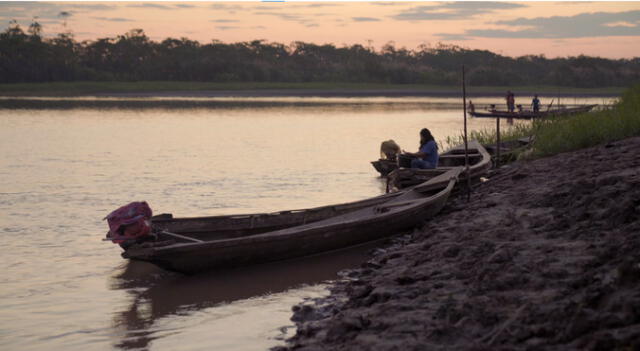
(166, 233)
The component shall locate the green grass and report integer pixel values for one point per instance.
(89, 88)
(488, 136)
(557, 135)
(590, 129)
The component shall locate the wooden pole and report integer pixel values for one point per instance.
(466, 143)
(497, 142)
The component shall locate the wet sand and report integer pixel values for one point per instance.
(546, 255)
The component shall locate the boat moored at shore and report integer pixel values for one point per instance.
(479, 164)
(188, 251)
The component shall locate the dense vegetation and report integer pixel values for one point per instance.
(566, 134)
(27, 57)
(561, 134)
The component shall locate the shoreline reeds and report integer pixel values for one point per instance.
(561, 134)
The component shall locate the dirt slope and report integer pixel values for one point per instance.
(546, 255)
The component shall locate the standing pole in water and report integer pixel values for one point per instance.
(497, 142)
(466, 143)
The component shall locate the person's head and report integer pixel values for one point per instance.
(425, 136)
(535, 96)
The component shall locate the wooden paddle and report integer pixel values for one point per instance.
(166, 233)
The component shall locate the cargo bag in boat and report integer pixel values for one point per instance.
(132, 221)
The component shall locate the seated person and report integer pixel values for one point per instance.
(427, 156)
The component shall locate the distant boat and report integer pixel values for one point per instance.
(533, 115)
(190, 245)
(479, 164)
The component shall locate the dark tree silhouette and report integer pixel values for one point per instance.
(30, 57)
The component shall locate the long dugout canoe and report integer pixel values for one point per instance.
(409, 209)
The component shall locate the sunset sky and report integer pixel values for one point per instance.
(606, 29)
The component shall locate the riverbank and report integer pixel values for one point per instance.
(545, 255)
(249, 89)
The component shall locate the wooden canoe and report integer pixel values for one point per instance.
(231, 226)
(385, 166)
(533, 115)
(206, 250)
(479, 164)
(509, 150)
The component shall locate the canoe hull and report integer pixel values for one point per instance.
(360, 227)
(384, 166)
(480, 163)
(232, 226)
(311, 242)
(531, 114)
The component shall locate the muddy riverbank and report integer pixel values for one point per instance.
(546, 255)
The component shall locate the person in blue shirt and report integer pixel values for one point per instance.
(535, 103)
(427, 156)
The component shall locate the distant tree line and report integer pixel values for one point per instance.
(29, 57)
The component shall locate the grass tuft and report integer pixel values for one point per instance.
(488, 136)
(590, 129)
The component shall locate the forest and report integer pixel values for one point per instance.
(28, 56)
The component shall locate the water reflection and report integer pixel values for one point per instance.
(157, 294)
(344, 104)
(341, 102)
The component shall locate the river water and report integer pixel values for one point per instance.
(62, 170)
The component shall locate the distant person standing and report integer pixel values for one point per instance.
(427, 155)
(535, 103)
(511, 101)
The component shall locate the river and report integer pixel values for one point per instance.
(63, 169)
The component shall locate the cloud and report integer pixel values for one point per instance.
(89, 7)
(383, 3)
(284, 16)
(151, 6)
(263, 7)
(316, 5)
(185, 6)
(224, 21)
(226, 7)
(452, 37)
(112, 19)
(457, 10)
(302, 19)
(47, 10)
(481, 5)
(226, 27)
(585, 25)
(365, 19)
